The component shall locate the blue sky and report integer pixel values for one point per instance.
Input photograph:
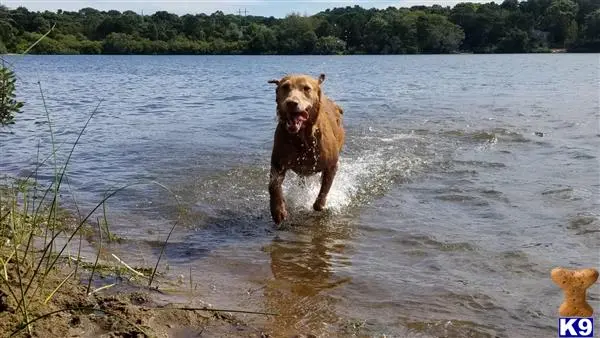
(277, 8)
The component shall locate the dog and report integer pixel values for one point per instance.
(308, 138)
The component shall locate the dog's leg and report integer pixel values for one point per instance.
(277, 202)
(326, 182)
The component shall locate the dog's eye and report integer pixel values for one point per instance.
(306, 88)
(285, 86)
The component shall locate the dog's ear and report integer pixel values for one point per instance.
(321, 78)
(274, 81)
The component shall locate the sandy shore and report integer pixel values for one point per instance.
(63, 301)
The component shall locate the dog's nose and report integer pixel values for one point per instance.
(292, 105)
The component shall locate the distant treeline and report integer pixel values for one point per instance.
(510, 27)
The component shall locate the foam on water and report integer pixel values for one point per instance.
(359, 177)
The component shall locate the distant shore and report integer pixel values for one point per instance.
(552, 51)
(481, 28)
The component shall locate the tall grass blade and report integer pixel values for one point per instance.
(128, 267)
(38, 40)
(87, 291)
(162, 249)
(47, 247)
(58, 287)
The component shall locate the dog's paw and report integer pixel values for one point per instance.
(319, 204)
(279, 214)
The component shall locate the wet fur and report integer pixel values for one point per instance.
(314, 149)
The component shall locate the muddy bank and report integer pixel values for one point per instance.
(74, 313)
(48, 289)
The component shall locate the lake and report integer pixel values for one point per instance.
(464, 180)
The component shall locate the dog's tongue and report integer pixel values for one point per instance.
(295, 123)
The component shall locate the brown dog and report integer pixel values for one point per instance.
(308, 138)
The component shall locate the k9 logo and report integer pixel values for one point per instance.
(575, 327)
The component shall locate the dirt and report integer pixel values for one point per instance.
(115, 313)
(61, 304)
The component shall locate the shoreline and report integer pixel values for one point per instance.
(545, 52)
(553, 51)
(97, 295)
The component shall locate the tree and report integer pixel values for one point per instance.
(330, 45)
(121, 43)
(438, 35)
(192, 27)
(586, 7)
(376, 34)
(9, 106)
(233, 32)
(510, 4)
(515, 41)
(262, 39)
(39, 24)
(296, 35)
(506, 26)
(465, 15)
(351, 22)
(325, 28)
(7, 31)
(591, 30)
(560, 21)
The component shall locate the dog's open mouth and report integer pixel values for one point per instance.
(294, 124)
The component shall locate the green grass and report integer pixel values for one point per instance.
(35, 231)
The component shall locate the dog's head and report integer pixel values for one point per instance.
(298, 98)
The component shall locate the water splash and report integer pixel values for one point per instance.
(359, 178)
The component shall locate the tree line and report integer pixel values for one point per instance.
(509, 27)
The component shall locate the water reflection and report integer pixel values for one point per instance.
(306, 262)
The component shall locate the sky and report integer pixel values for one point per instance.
(276, 8)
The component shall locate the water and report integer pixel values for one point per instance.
(445, 219)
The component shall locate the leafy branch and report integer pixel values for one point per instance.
(9, 106)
